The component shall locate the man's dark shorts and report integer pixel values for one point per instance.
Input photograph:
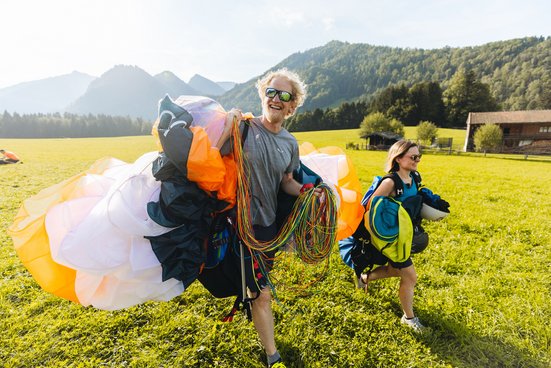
(225, 279)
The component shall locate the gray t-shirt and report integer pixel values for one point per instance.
(270, 155)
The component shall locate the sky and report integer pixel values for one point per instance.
(226, 40)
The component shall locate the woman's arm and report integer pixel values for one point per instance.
(386, 188)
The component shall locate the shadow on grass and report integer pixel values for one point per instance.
(290, 354)
(460, 347)
(531, 159)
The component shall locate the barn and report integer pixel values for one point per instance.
(381, 140)
(527, 132)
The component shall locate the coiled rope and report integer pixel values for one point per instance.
(312, 221)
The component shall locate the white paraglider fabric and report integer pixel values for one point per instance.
(101, 235)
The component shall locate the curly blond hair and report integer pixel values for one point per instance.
(298, 86)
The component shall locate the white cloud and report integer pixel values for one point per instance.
(286, 16)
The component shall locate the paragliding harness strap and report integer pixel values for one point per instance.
(245, 132)
(242, 301)
(398, 185)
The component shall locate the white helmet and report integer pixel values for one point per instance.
(432, 214)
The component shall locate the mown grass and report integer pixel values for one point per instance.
(484, 285)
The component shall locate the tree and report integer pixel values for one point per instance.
(378, 122)
(488, 138)
(397, 127)
(544, 101)
(346, 116)
(393, 101)
(427, 103)
(426, 132)
(423, 101)
(349, 115)
(70, 125)
(466, 94)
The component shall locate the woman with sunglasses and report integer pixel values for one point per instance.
(272, 153)
(402, 159)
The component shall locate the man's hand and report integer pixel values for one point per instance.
(228, 126)
(306, 187)
(317, 191)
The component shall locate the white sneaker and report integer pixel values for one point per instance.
(413, 323)
(360, 284)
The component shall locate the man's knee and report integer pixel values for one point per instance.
(263, 300)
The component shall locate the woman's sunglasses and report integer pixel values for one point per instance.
(283, 95)
(416, 158)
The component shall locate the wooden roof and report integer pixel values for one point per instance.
(510, 117)
(385, 135)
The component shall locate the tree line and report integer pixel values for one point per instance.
(423, 101)
(68, 125)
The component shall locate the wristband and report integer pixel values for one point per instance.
(306, 187)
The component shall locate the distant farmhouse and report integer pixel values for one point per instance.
(381, 140)
(523, 131)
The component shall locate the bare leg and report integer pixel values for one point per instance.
(263, 320)
(408, 279)
(383, 272)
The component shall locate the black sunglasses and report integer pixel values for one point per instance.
(283, 95)
(416, 158)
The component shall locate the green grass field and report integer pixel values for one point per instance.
(484, 285)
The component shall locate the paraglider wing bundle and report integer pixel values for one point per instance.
(182, 204)
(181, 201)
(181, 252)
(285, 202)
(174, 133)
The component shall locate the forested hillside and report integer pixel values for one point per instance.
(518, 72)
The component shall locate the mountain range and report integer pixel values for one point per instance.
(44, 95)
(123, 90)
(518, 72)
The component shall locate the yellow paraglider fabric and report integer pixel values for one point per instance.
(390, 227)
(31, 240)
(335, 167)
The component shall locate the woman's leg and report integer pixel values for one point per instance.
(408, 279)
(382, 272)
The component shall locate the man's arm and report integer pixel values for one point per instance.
(290, 185)
(228, 126)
